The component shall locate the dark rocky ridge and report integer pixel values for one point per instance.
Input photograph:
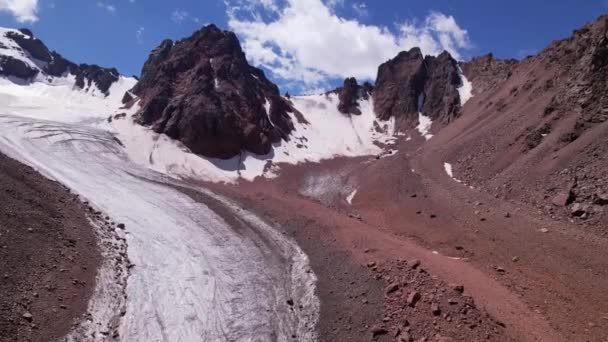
(409, 78)
(350, 94)
(52, 63)
(201, 91)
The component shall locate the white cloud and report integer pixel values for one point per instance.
(306, 42)
(22, 10)
(361, 9)
(106, 6)
(139, 34)
(179, 16)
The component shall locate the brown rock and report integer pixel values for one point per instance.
(413, 298)
(28, 316)
(458, 288)
(392, 288)
(601, 199)
(563, 199)
(435, 309)
(378, 330)
(579, 209)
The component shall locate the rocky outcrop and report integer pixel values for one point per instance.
(103, 78)
(34, 46)
(50, 63)
(201, 91)
(350, 94)
(13, 67)
(410, 83)
(486, 71)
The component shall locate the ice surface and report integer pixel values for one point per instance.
(195, 278)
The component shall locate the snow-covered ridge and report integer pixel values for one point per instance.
(9, 47)
(24, 59)
(326, 134)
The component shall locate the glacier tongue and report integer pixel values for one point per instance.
(195, 277)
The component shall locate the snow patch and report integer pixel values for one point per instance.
(424, 122)
(449, 171)
(351, 196)
(424, 126)
(465, 90)
(60, 99)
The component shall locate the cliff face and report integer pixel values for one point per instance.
(201, 91)
(411, 83)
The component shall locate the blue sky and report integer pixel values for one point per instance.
(290, 38)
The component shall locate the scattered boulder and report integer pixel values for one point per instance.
(563, 199)
(413, 298)
(435, 309)
(601, 199)
(458, 288)
(392, 288)
(378, 330)
(28, 317)
(405, 337)
(579, 209)
(415, 263)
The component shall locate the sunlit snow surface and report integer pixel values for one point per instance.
(327, 133)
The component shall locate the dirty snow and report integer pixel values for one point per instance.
(465, 90)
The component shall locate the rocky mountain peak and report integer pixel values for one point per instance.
(24, 56)
(201, 91)
(411, 83)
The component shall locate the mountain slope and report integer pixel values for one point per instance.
(537, 129)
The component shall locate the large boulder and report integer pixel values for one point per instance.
(201, 91)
